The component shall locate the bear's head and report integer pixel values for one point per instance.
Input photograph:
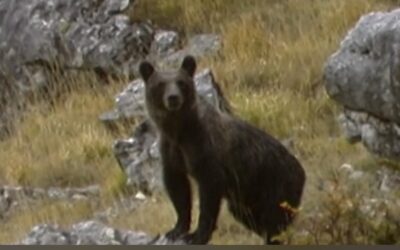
(169, 91)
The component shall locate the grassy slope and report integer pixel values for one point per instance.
(270, 68)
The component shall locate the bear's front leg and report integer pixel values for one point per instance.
(210, 193)
(178, 188)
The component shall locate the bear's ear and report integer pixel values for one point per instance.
(189, 65)
(146, 69)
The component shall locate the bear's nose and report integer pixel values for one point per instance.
(173, 100)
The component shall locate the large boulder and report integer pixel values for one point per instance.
(363, 75)
(38, 36)
(91, 34)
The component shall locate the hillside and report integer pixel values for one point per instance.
(270, 67)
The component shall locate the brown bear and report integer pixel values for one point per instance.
(226, 156)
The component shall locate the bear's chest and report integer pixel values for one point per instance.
(202, 160)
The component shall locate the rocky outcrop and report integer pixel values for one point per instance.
(138, 155)
(89, 233)
(71, 37)
(364, 77)
(74, 35)
(198, 46)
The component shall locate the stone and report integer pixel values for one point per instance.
(363, 76)
(90, 232)
(165, 43)
(198, 46)
(78, 36)
(5, 202)
(95, 233)
(46, 235)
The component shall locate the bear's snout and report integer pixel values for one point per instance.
(172, 97)
(173, 102)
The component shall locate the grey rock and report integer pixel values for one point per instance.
(95, 233)
(138, 156)
(130, 102)
(75, 35)
(135, 238)
(116, 6)
(5, 202)
(165, 43)
(57, 193)
(46, 235)
(162, 240)
(133, 154)
(388, 179)
(378, 136)
(204, 44)
(363, 75)
(89, 233)
(198, 46)
(90, 33)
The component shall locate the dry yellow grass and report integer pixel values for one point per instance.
(270, 67)
(64, 145)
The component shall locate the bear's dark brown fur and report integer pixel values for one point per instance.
(226, 156)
